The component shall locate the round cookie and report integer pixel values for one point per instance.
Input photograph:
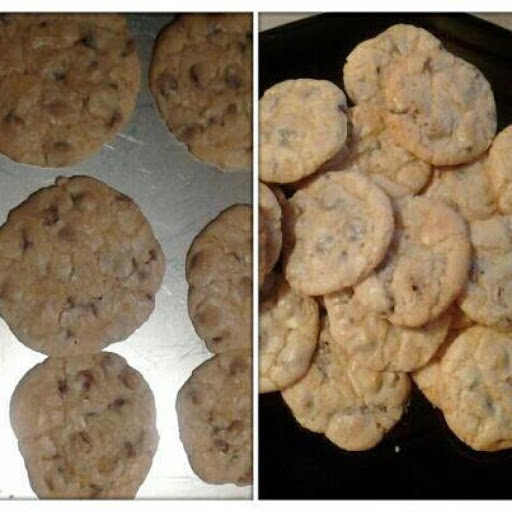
(86, 427)
(214, 410)
(353, 407)
(68, 84)
(336, 230)
(440, 108)
(79, 268)
(476, 388)
(369, 63)
(487, 296)
(425, 268)
(219, 274)
(201, 79)
(373, 342)
(500, 169)
(270, 223)
(303, 124)
(287, 337)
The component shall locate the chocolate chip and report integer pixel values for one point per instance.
(93, 308)
(88, 41)
(26, 243)
(61, 145)
(87, 379)
(167, 83)
(70, 303)
(130, 451)
(50, 216)
(117, 403)
(414, 288)
(151, 256)
(221, 445)
(11, 117)
(63, 387)
(114, 86)
(193, 74)
(43, 24)
(217, 339)
(115, 119)
(232, 78)
(129, 48)
(58, 75)
(95, 490)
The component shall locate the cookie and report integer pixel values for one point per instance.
(440, 108)
(500, 169)
(270, 223)
(476, 382)
(68, 84)
(425, 268)
(219, 275)
(79, 268)
(369, 63)
(201, 80)
(303, 124)
(288, 334)
(86, 427)
(336, 230)
(214, 410)
(353, 407)
(373, 342)
(487, 296)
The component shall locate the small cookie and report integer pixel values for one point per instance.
(219, 274)
(201, 79)
(487, 297)
(476, 384)
(373, 342)
(288, 336)
(440, 108)
(500, 169)
(270, 217)
(214, 410)
(353, 407)
(369, 63)
(336, 230)
(79, 268)
(425, 268)
(303, 124)
(69, 83)
(86, 427)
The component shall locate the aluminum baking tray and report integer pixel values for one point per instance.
(178, 195)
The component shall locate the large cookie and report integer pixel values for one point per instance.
(86, 427)
(425, 267)
(303, 124)
(500, 169)
(440, 108)
(79, 268)
(201, 79)
(336, 230)
(214, 411)
(287, 337)
(219, 274)
(68, 83)
(352, 406)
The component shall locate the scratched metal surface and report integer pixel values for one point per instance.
(178, 195)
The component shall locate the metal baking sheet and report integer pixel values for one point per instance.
(420, 458)
(178, 195)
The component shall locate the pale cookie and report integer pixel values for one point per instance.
(303, 124)
(288, 334)
(353, 407)
(466, 188)
(369, 63)
(270, 217)
(336, 231)
(79, 268)
(201, 79)
(487, 297)
(440, 108)
(476, 383)
(219, 274)
(500, 169)
(68, 84)
(214, 410)
(374, 343)
(425, 268)
(86, 427)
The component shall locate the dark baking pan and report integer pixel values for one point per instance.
(420, 457)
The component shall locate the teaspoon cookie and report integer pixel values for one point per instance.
(270, 224)
(500, 169)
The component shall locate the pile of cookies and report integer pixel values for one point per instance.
(394, 220)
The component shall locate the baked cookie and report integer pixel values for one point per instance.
(373, 342)
(439, 107)
(68, 84)
(336, 230)
(425, 268)
(352, 406)
(368, 64)
(86, 427)
(79, 268)
(500, 169)
(476, 382)
(201, 79)
(287, 337)
(487, 296)
(219, 274)
(214, 411)
(303, 124)
(270, 223)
